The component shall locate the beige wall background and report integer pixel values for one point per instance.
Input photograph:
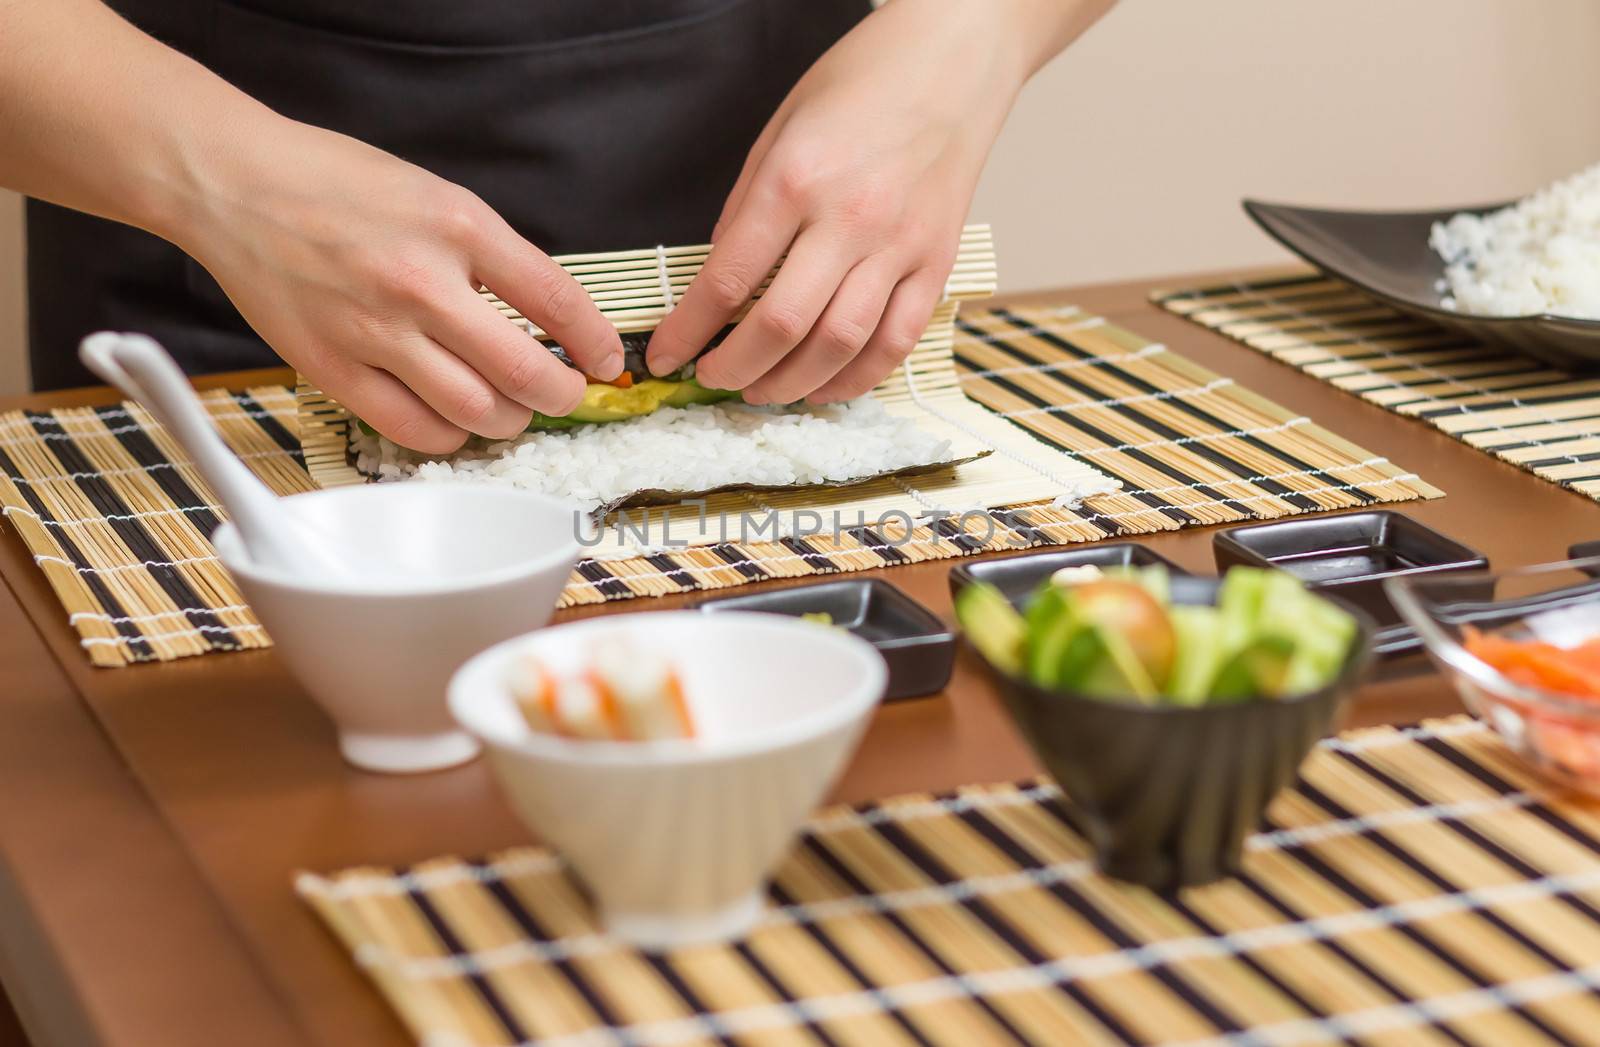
(1128, 155)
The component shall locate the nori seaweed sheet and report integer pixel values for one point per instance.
(658, 497)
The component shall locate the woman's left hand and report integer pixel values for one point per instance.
(864, 177)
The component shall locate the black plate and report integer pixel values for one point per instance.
(1386, 254)
(919, 649)
(1168, 794)
(1018, 576)
(1348, 555)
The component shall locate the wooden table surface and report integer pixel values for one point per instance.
(151, 818)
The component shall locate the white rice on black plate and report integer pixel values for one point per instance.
(1540, 255)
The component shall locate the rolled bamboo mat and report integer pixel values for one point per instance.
(1416, 886)
(1541, 419)
(119, 522)
(635, 289)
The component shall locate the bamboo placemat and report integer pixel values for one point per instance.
(1520, 410)
(120, 523)
(1416, 886)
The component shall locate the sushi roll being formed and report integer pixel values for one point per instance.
(623, 694)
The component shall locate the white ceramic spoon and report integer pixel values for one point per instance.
(275, 535)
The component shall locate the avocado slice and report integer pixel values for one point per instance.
(1051, 644)
(1259, 669)
(1047, 603)
(993, 625)
(689, 392)
(1105, 667)
(609, 403)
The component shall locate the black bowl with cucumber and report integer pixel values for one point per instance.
(1171, 709)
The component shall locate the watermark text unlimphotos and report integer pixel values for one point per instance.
(689, 523)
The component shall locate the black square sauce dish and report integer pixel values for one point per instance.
(920, 649)
(1349, 556)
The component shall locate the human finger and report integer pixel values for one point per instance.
(518, 366)
(905, 318)
(538, 288)
(734, 270)
(785, 313)
(839, 335)
(449, 385)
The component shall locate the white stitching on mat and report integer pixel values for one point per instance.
(34, 481)
(44, 558)
(1394, 1017)
(1328, 489)
(83, 521)
(665, 279)
(535, 864)
(1369, 463)
(85, 427)
(1396, 736)
(190, 633)
(129, 619)
(1200, 438)
(1256, 297)
(1074, 364)
(1121, 401)
(122, 411)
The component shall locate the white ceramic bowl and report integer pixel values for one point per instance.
(377, 653)
(675, 838)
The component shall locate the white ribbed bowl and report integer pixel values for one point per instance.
(675, 838)
(377, 652)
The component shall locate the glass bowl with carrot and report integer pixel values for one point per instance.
(1526, 660)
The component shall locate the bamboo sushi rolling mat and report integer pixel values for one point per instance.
(1520, 410)
(1415, 886)
(119, 520)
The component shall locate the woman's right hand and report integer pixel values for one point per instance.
(362, 271)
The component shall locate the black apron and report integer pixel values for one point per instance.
(588, 125)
